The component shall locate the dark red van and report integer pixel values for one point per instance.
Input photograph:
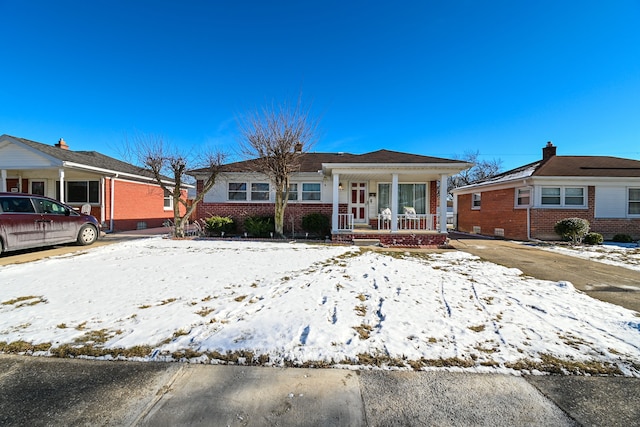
(29, 221)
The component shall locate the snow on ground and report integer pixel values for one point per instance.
(618, 254)
(296, 304)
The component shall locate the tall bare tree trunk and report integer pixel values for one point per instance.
(278, 214)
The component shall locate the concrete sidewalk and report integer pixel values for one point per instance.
(40, 391)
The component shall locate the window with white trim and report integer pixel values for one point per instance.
(563, 196)
(476, 199)
(523, 197)
(168, 200)
(311, 191)
(80, 191)
(409, 196)
(237, 191)
(634, 201)
(260, 191)
(293, 191)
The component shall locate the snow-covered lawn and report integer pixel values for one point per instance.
(309, 305)
(621, 255)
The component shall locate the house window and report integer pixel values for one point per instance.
(237, 191)
(523, 197)
(475, 200)
(551, 196)
(634, 201)
(80, 191)
(409, 196)
(168, 200)
(311, 191)
(563, 196)
(37, 187)
(574, 196)
(260, 191)
(293, 191)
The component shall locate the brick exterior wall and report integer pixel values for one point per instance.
(240, 211)
(497, 211)
(135, 204)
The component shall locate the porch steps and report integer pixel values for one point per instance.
(366, 242)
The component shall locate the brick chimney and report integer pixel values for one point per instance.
(297, 148)
(549, 151)
(62, 144)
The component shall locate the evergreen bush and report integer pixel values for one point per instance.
(259, 226)
(572, 229)
(317, 223)
(216, 225)
(622, 238)
(593, 239)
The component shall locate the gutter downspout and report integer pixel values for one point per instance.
(112, 190)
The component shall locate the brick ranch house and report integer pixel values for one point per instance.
(526, 202)
(382, 195)
(122, 196)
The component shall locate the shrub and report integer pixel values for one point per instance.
(572, 229)
(622, 238)
(216, 225)
(593, 239)
(317, 223)
(259, 226)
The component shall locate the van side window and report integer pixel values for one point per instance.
(17, 205)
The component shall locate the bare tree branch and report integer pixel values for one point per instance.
(276, 137)
(169, 167)
(481, 169)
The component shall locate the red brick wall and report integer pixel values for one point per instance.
(240, 211)
(496, 211)
(135, 203)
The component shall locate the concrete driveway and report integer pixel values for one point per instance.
(617, 285)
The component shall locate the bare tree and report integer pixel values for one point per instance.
(480, 170)
(276, 137)
(169, 167)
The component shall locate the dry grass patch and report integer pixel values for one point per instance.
(364, 331)
(25, 301)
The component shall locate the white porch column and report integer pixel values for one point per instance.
(394, 203)
(335, 202)
(443, 203)
(61, 178)
(3, 181)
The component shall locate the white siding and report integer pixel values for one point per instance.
(15, 157)
(611, 202)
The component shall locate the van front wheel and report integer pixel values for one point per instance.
(87, 235)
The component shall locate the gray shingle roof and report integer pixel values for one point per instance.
(312, 162)
(87, 158)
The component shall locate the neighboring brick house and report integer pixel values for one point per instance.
(387, 194)
(526, 202)
(122, 196)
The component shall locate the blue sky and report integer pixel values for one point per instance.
(434, 78)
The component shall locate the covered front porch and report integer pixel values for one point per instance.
(395, 206)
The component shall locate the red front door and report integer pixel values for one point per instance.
(358, 203)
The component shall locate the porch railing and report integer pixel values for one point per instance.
(418, 222)
(345, 222)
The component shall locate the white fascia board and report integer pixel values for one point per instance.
(386, 168)
(116, 173)
(478, 188)
(586, 180)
